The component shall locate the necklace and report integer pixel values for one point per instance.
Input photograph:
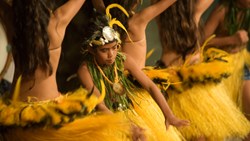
(117, 86)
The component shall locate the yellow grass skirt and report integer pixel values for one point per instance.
(91, 128)
(148, 110)
(197, 94)
(95, 126)
(66, 118)
(210, 111)
(234, 83)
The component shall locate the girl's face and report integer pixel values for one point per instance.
(105, 55)
(244, 3)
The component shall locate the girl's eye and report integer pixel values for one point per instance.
(104, 50)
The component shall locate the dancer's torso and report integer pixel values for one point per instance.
(41, 86)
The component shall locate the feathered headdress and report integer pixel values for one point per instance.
(107, 33)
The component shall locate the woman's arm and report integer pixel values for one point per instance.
(60, 19)
(138, 22)
(239, 38)
(216, 17)
(147, 14)
(87, 82)
(65, 13)
(213, 23)
(200, 7)
(156, 94)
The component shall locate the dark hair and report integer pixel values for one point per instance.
(94, 31)
(6, 18)
(232, 23)
(119, 15)
(177, 28)
(30, 48)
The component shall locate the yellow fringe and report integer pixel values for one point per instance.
(213, 69)
(235, 82)
(100, 127)
(48, 113)
(202, 100)
(150, 53)
(17, 89)
(210, 111)
(148, 110)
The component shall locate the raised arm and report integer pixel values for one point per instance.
(60, 19)
(87, 82)
(154, 91)
(214, 20)
(150, 12)
(67, 11)
(213, 23)
(200, 7)
(138, 22)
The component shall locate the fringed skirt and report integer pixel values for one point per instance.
(234, 83)
(197, 94)
(148, 110)
(69, 118)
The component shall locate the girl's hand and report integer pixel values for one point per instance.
(195, 59)
(172, 120)
(240, 37)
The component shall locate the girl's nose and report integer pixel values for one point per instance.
(110, 53)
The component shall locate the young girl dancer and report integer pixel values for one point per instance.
(103, 61)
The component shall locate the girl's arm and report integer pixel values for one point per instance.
(87, 82)
(147, 14)
(60, 19)
(237, 39)
(65, 13)
(138, 22)
(215, 19)
(200, 7)
(156, 94)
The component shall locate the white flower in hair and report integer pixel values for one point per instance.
(103, 41)
(108, 33)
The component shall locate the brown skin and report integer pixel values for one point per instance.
(107, 53)
(223, 41)
(200, 7)
(45, 86)
(137, 30)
